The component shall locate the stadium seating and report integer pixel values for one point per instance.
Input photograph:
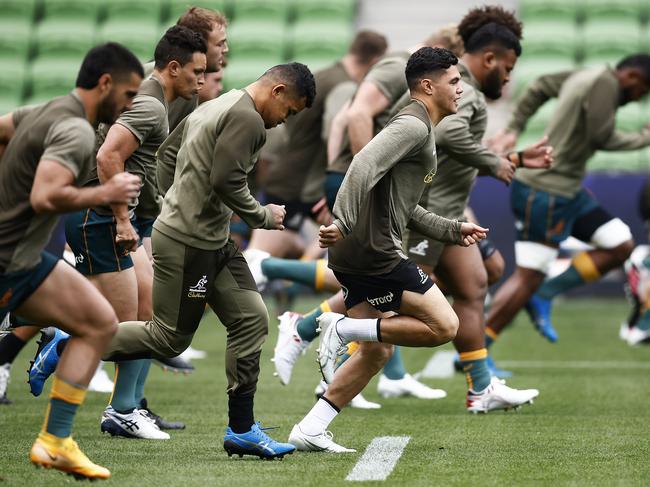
(320, 40)
(63, 39)
(12, 81)
(257, 40)
(134, 10)
(65, 10)
(558, 38)
(15, 40)
(138, 36)
(337, 10)
(49, 78)
(550, 10)
(268, 10)
(610, 40)
(18, 10)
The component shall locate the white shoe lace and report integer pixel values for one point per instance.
(5, 377)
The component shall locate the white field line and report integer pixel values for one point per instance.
(379, 459)
(586, 364)
(440, 366)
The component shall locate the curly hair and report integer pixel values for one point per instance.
(480, 16)
(297, 77)
(490, 26)
(427, 60)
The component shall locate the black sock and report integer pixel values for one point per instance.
(240, 413)
(10, 347)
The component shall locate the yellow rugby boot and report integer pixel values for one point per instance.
(64, 454)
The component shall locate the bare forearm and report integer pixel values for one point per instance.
(69, 198)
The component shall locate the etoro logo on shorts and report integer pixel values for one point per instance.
(420, 248)
(198, 290)
(381, 299)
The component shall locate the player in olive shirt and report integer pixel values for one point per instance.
(377, 201)
(48, 149)
(551, 205)
(104, 240)
(195, 262)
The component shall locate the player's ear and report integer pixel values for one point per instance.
(489, 59)
(174, 68)
(426, 85)
(105, 83)
(279, 90)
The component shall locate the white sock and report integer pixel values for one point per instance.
(318, 419)
(354, 329)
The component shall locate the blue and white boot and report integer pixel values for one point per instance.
(255, 442)
(46, 359)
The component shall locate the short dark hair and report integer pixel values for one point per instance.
(202, 20)
(297, 77)
(639, 60)
(368, 45)
(490, 26)
(428, 60)
(111, 58)
(178, 44)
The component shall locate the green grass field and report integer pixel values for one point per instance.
(588, 427)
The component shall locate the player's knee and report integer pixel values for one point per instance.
(103, 325)
(448, 328)
(474, 288)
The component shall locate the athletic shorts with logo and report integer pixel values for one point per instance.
(547, 218)
(16, 287)
(384, 291)
(91, 237)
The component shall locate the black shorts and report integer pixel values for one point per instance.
(384, 292)
(297, 211)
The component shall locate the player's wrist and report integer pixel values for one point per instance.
(516, 157)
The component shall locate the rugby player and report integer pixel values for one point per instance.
(48, 150)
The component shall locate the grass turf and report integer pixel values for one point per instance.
(588, 427)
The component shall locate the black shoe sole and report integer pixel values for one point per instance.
(235, 449)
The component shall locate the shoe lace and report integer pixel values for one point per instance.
(5, 377)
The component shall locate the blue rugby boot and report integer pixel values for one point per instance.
(495, 371)
(255, 442)
(46, 359)
(539, 311)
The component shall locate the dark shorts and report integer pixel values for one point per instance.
(547, 218)
(16, 287)
(297, 211)
(333, 182)
(92, 239)
(143, 226)
(384, 292)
